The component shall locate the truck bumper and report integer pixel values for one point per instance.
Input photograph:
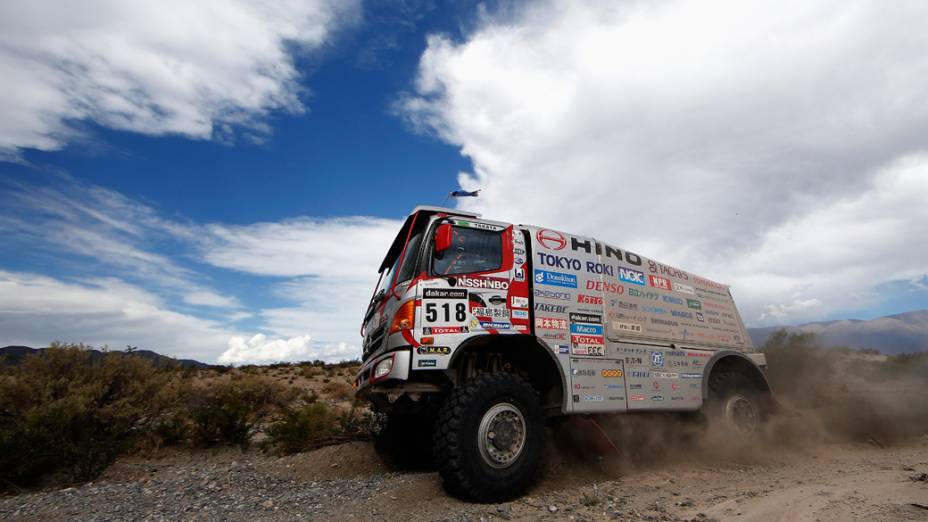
(391, 366)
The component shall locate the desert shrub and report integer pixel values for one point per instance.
(339, 391)
(68, 412)
(315, 424)
(231, 411)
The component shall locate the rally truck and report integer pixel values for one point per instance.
(480, 332)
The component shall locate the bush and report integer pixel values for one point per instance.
(230, 411)
(339, 391)
(69, 413)
(314, 425)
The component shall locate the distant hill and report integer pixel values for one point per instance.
(901, 333)
(15, 354)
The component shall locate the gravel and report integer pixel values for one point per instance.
(223, 490)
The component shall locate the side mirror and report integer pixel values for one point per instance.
(443, 238)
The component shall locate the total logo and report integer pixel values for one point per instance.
(551, 239)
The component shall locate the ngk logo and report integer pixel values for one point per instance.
(551, 239)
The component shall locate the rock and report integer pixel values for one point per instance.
(552, 508)
(267, 504)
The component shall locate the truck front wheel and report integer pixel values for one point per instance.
(489, 437)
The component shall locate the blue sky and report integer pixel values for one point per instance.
(223, 188)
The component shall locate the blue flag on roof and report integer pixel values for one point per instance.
(464, 194)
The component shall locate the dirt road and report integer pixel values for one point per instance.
(826, 482)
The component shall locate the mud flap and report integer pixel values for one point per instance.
(588, 435)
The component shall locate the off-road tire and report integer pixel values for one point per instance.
(735, 405)
(400, 440)
(465, 471)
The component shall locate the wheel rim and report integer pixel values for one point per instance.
(742, 414)
(501, 436)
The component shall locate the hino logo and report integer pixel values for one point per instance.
(551, 239)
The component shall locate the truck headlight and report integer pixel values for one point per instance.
(383, 368)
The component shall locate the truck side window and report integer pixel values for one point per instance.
(472, 250)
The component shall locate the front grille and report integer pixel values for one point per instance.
(374, 340)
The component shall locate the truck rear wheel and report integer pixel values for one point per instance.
(735, 405)
(489, 437)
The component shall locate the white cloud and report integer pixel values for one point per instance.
(334, 247)
(36, 310)
(199, 69)
(259, 349)
(771, 145)
(211, 299)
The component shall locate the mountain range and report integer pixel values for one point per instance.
(14, 354)
(893, 334)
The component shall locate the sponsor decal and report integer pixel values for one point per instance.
(694, 304)
(475, 224)
(592, 398)
(562, 262)
(657, 268)
(551, 294)
(583, 345)
(576, 398)
(685, 315)
(654, 309)
(444, 293)
(636, 398)
(519, 274)
(589, 299)
(555, 336)
(599, 268)
(518, 251)
(605, 287)
(427, 363)
(550, 323)
(490, 283)
(543, 277)
(550, 308)
(624, 305)
(674, 386)
(518, 261)
(657, 398)
(634, 360)
(709, 284)
(676, 398)
(442, 330)
(631, 276)
(586, 318)
(493, 313)
(520, 314)
(660, 282)
(640, 375)
(654, 296)
(583, 372)
(665, 375)
(665, 322)
(691, 376)
(634, 386)
(626, 327)
(495, 325)
(519, 302)
(551, 239)
(657, 359)
(563, 348)
(656, 386)
(683, 289)
(612, 373)
(673, 300)
(433, 350)
(608, 251)
(474, 323)
(701, 318)
(520, 327)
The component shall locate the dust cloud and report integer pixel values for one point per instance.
(824, 396)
